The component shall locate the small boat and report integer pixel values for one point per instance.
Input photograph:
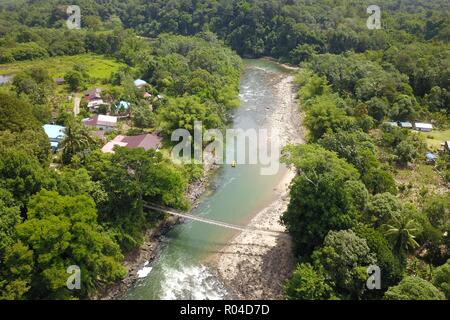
(233, 164)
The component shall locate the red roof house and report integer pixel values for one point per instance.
(146, 141)
(93, 94)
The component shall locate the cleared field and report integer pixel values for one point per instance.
(420, 181)
(98, 66)
(436, 137)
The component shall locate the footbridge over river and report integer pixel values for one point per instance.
(173, 212)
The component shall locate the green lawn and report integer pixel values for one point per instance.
(436, 137)
(98, 66)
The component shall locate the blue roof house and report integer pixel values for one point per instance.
(55, 134)
(123, 105)
(431, 157)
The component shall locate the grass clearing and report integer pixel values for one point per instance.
(418, 182)
(98, 66)
(435, 138)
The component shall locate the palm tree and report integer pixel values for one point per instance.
(402, 230)
(79, 140)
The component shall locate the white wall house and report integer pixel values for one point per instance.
(421, 126)
(102, 122)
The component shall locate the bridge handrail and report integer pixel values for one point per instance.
(211, 221)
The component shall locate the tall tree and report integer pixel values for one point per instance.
(321, 175)
(62, 231)
(414, 288)
(344, 258)
(401, 231)
(307, 284)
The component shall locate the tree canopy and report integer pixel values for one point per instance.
(321, 175)
(413, 288)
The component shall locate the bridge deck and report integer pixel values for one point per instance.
(214, 222)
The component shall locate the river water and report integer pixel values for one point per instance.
(181, 269)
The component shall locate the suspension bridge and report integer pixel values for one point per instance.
(188, 216)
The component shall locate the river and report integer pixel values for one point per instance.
(181, 269)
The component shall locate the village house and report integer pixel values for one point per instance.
(421, 126)
(101, 122)
(445, 146)
(139, 83)
(391, 123)
(146, 141)
(94, 105)
(55, 134)
(147, 95)
(406, 124)
(94, 94)
(94, 99)
(123, 107)
(430, 157)
(59, 81)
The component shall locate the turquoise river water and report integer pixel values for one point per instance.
(181, 269)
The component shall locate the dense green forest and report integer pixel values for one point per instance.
(81, 206)
(385, 206)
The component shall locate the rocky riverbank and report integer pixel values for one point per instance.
(253, 265)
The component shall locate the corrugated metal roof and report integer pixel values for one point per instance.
(146, 141)
(423, 125)
(54, 131)
(139, 82)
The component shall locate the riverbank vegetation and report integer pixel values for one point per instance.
(80, 206)
(387, 205)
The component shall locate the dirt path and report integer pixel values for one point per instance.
(76, 105)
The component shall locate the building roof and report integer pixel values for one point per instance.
(140, 83)
(54, 131)
(109, 147)
(392, 123)
(123, 105)
(405, 124)
(146, 141)
(95, 103)
(101, 120)
(93, 94)
(431, 156)
(423, 125)
(147, 95)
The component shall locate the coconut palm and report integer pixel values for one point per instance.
(78, 141)
(401, 231)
